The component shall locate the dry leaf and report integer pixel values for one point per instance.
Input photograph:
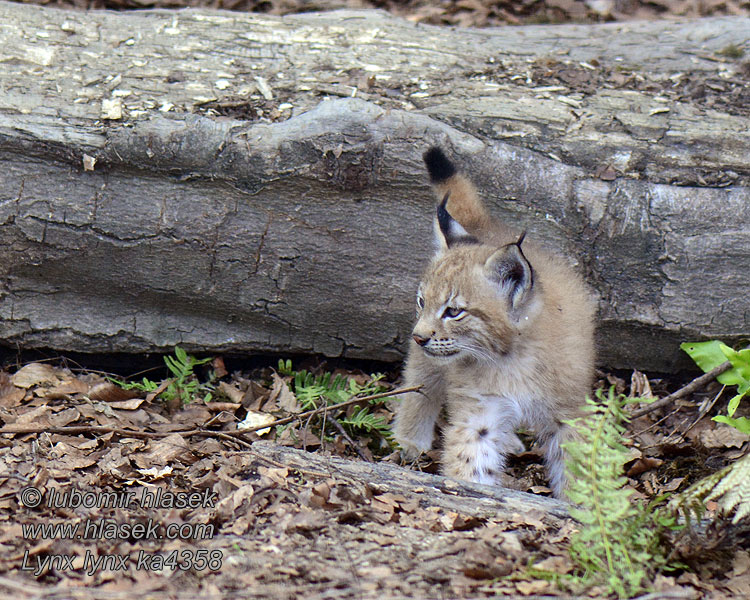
(283, 396)
(723, 437)
(227, 506)
(156, 472)
(255, 396)
(739, 586)
(642, 465)
(527, 588)
(64, 417)
(11, 396)
(672, 485)
(132, 404)
(307, 521)
(277, 475)
(556, 564)
(164, 451)
(231, 392)
(217, 364)
(35, 416)
(35, 374)
(640, 386)
(740, 563)
(106, 391)
(63, 390)
(255, 419)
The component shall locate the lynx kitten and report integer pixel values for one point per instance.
(504, 338)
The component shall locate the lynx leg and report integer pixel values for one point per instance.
(477, 442)
(554, 459)
(414, 428)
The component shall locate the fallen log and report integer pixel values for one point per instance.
(469, 499)
(198, 177)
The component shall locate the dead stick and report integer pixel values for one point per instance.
(696, 383)
(309, 413)
(102, 430)
(348, 438)
(96, 429)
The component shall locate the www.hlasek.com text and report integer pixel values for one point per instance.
(109, 529)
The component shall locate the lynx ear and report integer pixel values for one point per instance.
(448, 231)
(512, 273)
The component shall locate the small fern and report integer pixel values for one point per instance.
(618, 544)
(315, 391)
(708, 355)
(729, 488)
(184, 387)
(361, 418)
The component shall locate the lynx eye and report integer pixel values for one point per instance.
(452, 312)
(420, 301)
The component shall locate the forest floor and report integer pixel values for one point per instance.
(265, 527)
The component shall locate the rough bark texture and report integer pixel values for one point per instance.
(303, 227)
(470, 499)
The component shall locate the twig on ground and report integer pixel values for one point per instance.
(304, 415)
(702, 413)
(351, 442)
(239, 434)
(229, 407)
(695, 384)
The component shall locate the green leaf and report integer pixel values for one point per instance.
(734, 403)
(709, 355)
(181, 355)
(742, 424)
(740, 361)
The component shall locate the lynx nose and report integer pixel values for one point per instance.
(420, 340)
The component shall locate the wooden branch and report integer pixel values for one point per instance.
(463, 497)
(695, 384)
(304, 415)
(240, 434)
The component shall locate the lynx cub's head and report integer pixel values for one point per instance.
(475, 300)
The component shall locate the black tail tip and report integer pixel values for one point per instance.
(438, 165)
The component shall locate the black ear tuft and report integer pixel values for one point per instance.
(438, 165)
(521, 238)
(444, 217)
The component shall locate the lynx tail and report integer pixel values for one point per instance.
(464, 204)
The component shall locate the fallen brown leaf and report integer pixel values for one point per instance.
(35, 374)
(723, 437)
(106, 391)
(283, 396)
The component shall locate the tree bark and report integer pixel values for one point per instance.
(198, 177)
(469, 499)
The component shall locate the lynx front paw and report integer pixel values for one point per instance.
(414, 428)
(411, 449)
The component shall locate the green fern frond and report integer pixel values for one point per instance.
(618, 543)
(184, 386)
(314, 391)
(361, 418)
(729, 488)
